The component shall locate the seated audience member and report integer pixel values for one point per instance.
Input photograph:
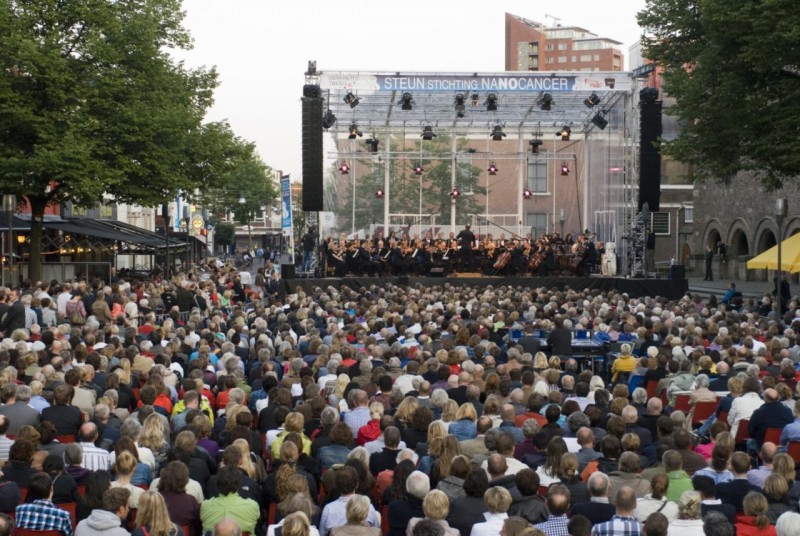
(40, 513)
(335, 513)
(557, 505)
(498, 501)
(229, 503)
(357, 510)
(755, 521)
(152, 517)
(107, 521)
(597, 509)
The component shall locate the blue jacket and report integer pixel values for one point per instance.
(463, 429)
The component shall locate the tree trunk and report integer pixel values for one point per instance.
(35, 258)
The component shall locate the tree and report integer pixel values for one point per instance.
(734, 70)
(224, 235)
(92, 104)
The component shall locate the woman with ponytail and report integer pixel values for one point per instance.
(755, 521)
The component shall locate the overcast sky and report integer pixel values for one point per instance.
(261, 49)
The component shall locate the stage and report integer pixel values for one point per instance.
(672, 289)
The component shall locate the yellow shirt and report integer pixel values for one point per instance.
(624, 363)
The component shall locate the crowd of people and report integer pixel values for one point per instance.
(205, 405)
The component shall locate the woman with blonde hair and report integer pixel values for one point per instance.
(449, 412)
(441, 468)
(152, 437)
(464, 427)
(755, 521)
(436, 507)
(152, 517)
(297, 524)
(572, 478)
(124, 466)
(540, 362)
(292, 508)
(251, 465)
(784, 465)
(689, 522)
(405, 413)
(295, 422)
(357, 511)
(372, 430)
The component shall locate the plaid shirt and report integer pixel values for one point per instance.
(42, 514)
(618, 526)
(555, 526)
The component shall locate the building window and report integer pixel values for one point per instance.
(562, 59)
(562, 46)
(551, 59)
(597, 57)
(537, 224)
(549, 47)
(688, 214)
(586, 57)
(533, 48)
(574, 59)
(537, 174)
(660, 223)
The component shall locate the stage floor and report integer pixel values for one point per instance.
(672, 289)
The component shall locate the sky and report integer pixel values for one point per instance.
(261, 49)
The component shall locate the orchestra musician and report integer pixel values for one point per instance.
(466, 239)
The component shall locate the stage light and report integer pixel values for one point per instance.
(460, 108)
(407, 101)
(354, 132)
(372, 143)
(526, 193)
(344, 168)
(497, 133)
(599, 121)
(351, 99)
(535, 145)
(379, 193)
(328, 120)
(475, 99)
(492, 169)
(428, 133)
(418, 169)
(454, 193)
(546, 102)
(491, 102)
(564, 133)
(564, 169)
(592, 100)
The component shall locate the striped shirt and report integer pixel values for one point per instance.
(618, 526)
(94, 459)
(42, 514)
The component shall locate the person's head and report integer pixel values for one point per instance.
(227, 527)
(357, 509)
(418, 484)
(656, 524)
(705, 485)
(740, 464)
(436, 505)
(427, 527)
(497, 499)
(152, 513)
(346, 480)
(174, 478)
(755, 505)
(125, 464)
(21, 451)
(625, 501)
(40, 486)
(558, 499)
(228, 480)
(788, 524)
(672, 461)
(776, 487)
(115, 500)
(597, 484)
(476, 483)
(689, 505)
(579, 526)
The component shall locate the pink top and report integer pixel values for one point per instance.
(704, 450)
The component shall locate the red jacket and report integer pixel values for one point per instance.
(747, 527)
(369, 432)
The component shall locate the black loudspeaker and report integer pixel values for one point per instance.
(312, 148)
(287, 271)
(677, 271)
(649, 157)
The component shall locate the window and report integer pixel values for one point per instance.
(549, 47)
(688, 214)
(562, 46)
(463, 171)
(574, 59)
(562, 59)
(533, 48)
(597, 57)
(660, 223)
(537, 173)
(551, 59)
(586, 57)
(537, 224)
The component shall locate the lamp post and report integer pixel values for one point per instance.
(10, 205)
(781, 210)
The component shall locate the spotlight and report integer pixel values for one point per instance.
(418, 169)
(427, 133)
(564, 133)
(379, 193)
(564, 169)
(475, 99)
(407, 101)
(599, 121)
(526, 193)
(351, 99)
(592, 100)
(535, 145)
(546, 102)
(460, 99)
(344, 168)
(354, 132)
(491, 102)
(492, 169)
(497, 133)
(372, 143)
(454, 193)
(328, 120)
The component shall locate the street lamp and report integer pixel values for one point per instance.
(781, 209)
(10, 205)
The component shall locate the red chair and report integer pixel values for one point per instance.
(773, 435)
(81, 490)
(743, 432)
(651, 387)
(664, 399)
(143, 486)
(723, 416)
(65, 439)
(28, 532)
(794, 450)
(702, 411)
(682, 403)
(23, 494)
(186, 530)
(70, 507)
(273, 514)
(385, 520)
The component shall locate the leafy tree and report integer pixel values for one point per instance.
(92, 104)
(733, 68)
(224, 235)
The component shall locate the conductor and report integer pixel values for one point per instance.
(465, 240)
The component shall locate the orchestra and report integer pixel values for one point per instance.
(400, 254)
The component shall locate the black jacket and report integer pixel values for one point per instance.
(560, 341)
(733, 492)
(384, 460)
(770, 415)
(66, 419)
(13, 319)
(465, 512)
(531, 508)
(400, 513)
(596, 512)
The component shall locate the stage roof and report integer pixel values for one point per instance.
(519, 99)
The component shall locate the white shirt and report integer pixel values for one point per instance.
(145, 456)
(743, 408)
(686, 527)
(403, 382)
(61, 302)
(514, 466)
(271, 529)
(647, 505)
(94, 459)
(491, 527)
(192, 488)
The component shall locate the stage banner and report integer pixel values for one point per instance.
(286, 211)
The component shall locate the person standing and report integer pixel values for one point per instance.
(709, 261)
(465, 240)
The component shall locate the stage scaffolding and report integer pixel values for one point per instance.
(600, 191)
